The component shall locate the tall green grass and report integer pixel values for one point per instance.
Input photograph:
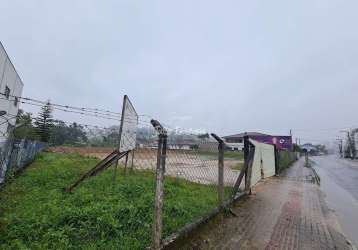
(286, 159)
(35, 213)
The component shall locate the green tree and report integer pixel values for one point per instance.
(58, 133)
(77, 135)
(44, 122)
(24, 127)
(73, 134)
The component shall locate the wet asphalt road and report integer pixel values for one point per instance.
(339, 182)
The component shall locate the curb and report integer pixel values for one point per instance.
(316, 176)
(353, 247)
(318, 180)
(168, 242)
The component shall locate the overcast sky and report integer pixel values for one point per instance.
(225, 66)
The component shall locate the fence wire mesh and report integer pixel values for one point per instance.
(15, 154)
(285, 159)
(119, 201)
(191, 178)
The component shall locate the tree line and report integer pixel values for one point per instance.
(56, 132)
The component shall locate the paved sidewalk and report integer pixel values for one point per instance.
(287, 212)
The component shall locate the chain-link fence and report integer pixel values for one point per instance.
(5, 153)
(193, 179)
(165, 181)
(15, 154)
(172, 177)
(285, 159)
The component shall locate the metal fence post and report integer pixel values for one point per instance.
(306, 159)
(247, 159)
(277, 161)
(159, 187)
(221, 149)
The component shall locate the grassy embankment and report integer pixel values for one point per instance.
(35, 213)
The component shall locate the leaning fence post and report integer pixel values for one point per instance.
(159, 187)
(221, 149)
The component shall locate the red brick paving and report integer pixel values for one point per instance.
(287, 212)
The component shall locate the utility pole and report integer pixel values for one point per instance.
(349, 144)
(353, 138)
(340, 147)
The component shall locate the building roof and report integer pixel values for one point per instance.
(244, 134)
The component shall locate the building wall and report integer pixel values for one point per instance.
(281, 142)
(10, 78)
(235, 146)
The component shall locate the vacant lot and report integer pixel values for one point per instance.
(195, 166)
(35, 213)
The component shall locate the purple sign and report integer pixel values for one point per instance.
(281, 142)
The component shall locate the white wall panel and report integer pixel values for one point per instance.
(3, 58)
(256, 167)
(264, 161)
(11, 79)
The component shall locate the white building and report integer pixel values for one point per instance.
(10, 87)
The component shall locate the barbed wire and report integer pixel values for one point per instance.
(107, 117)
(61, 105)
(98, 111)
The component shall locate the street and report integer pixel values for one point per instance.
(339, 182)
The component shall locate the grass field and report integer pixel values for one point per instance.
(35, 213)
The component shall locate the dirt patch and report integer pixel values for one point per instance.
(81, 150)
(181, 164)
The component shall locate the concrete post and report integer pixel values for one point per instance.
(221, 149)
(221, 175)
(159, 187)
